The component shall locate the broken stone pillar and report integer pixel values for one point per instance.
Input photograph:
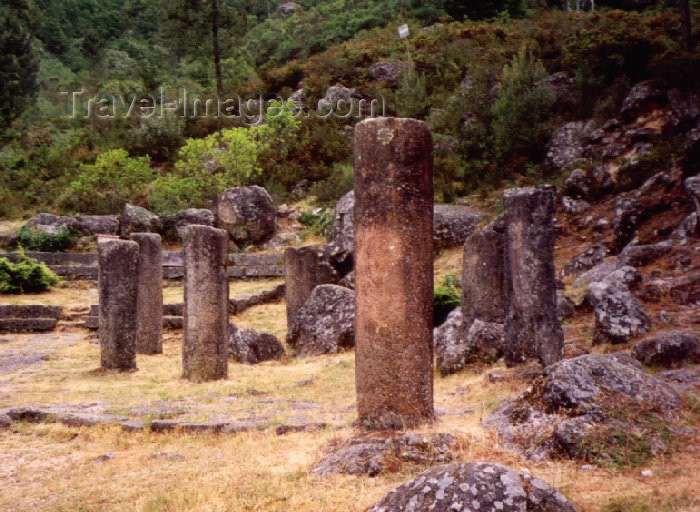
(150, 294)
(532, 330)
(204, 351)
(305, 268)
(393, 273)
(118, 288)
(482, 275)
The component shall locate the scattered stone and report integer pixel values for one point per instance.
(150, 294)
(135, 219)
(247, 214)
(574, 206)
(251, 347)
(587, 260)
(342, 240)
(105, 457)
(282, 430)
(647, 473)
(394, 262)
(118, 289)
(479, 486)
(172, 224)
(326, 323)
(565, 307)
(51, 224)
(389, 72)
(668, 349)
(531, 326)
(642, 98)
(288, 9)
(453, 224)
(587, 399)
(204, 347)
(378, 454)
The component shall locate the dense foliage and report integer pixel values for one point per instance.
(26, 276)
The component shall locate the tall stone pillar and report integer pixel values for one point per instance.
(204, 351)
(482, 275)
(532, 330)
(393, 273)
(150, 293)
(118, 288)
(305, 268)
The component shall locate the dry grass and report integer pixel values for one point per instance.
(173, 292)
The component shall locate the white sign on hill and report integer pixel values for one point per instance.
(403, 31)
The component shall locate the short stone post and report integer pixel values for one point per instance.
(482, 275)
(150, 293)
(393, 273)
(204, 351)
(532, 330)
(118, 288)
(305, 268)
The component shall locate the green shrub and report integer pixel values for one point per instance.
(446, 297)
(103, 187)
(34, 240)
(320, 221)
(26, 276)
(340, 182)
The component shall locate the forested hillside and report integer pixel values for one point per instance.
(479, 72)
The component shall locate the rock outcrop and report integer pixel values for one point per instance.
(251, 347)
(668, 349)
(136, 219)
(247, 214)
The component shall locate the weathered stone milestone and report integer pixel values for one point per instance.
(532, 329)
(305, 268)
(150, 293)
(204, 350)
(118, 289)
(393, 273)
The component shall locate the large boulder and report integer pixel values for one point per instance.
(374, 455)
(337, 97)
(642, 98)
(288, 9)
(173, 223)
(51, 224)
(98, 224)
(251, 347)
(473, 487)
(683, 289)
(579, 404)
(453, 224)
(668, 349)
(136, 219)
(247, 214)
(457, 345)
(566, 146)
(326, 323)
(342, 239)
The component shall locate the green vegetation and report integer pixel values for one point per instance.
(26, 276)
(654, 502)
(34, 240)
(446, 297)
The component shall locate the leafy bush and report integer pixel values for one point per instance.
(26, 276)
(34, 240)
(320, 221)
(228, 158)
(446, 297)
(104, 187)
(340, 182)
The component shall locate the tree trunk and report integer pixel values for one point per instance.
(215, 44)
(686, 30)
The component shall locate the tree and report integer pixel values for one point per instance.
(18, 63)
(686, 29)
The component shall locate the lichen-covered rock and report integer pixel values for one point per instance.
(247, 214)
(453, 224)
(473, 487)
(388, 72)
(574, 206)
(641, 255)
(576, 407)
(288, 9)
(326, 323)
(642, 98)
(683, 289)
(377, 454)
(668, 349)
(251, 347)
(51, 224)
(342, 239)
(98, 224)
(565, 307)
(136, 219)
(566, 145)
(457, 346)
(623, 277)
(588, 259)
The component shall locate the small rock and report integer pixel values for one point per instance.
(251, 347)
(668, 349)
(647, 473)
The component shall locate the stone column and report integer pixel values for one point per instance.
(532, 330)
(204, 352)
(482, 275)
(118, 287)
(305, 268)
(150, 294)
(393, 273)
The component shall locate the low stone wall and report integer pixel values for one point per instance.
(77, 266)
(29, 318)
